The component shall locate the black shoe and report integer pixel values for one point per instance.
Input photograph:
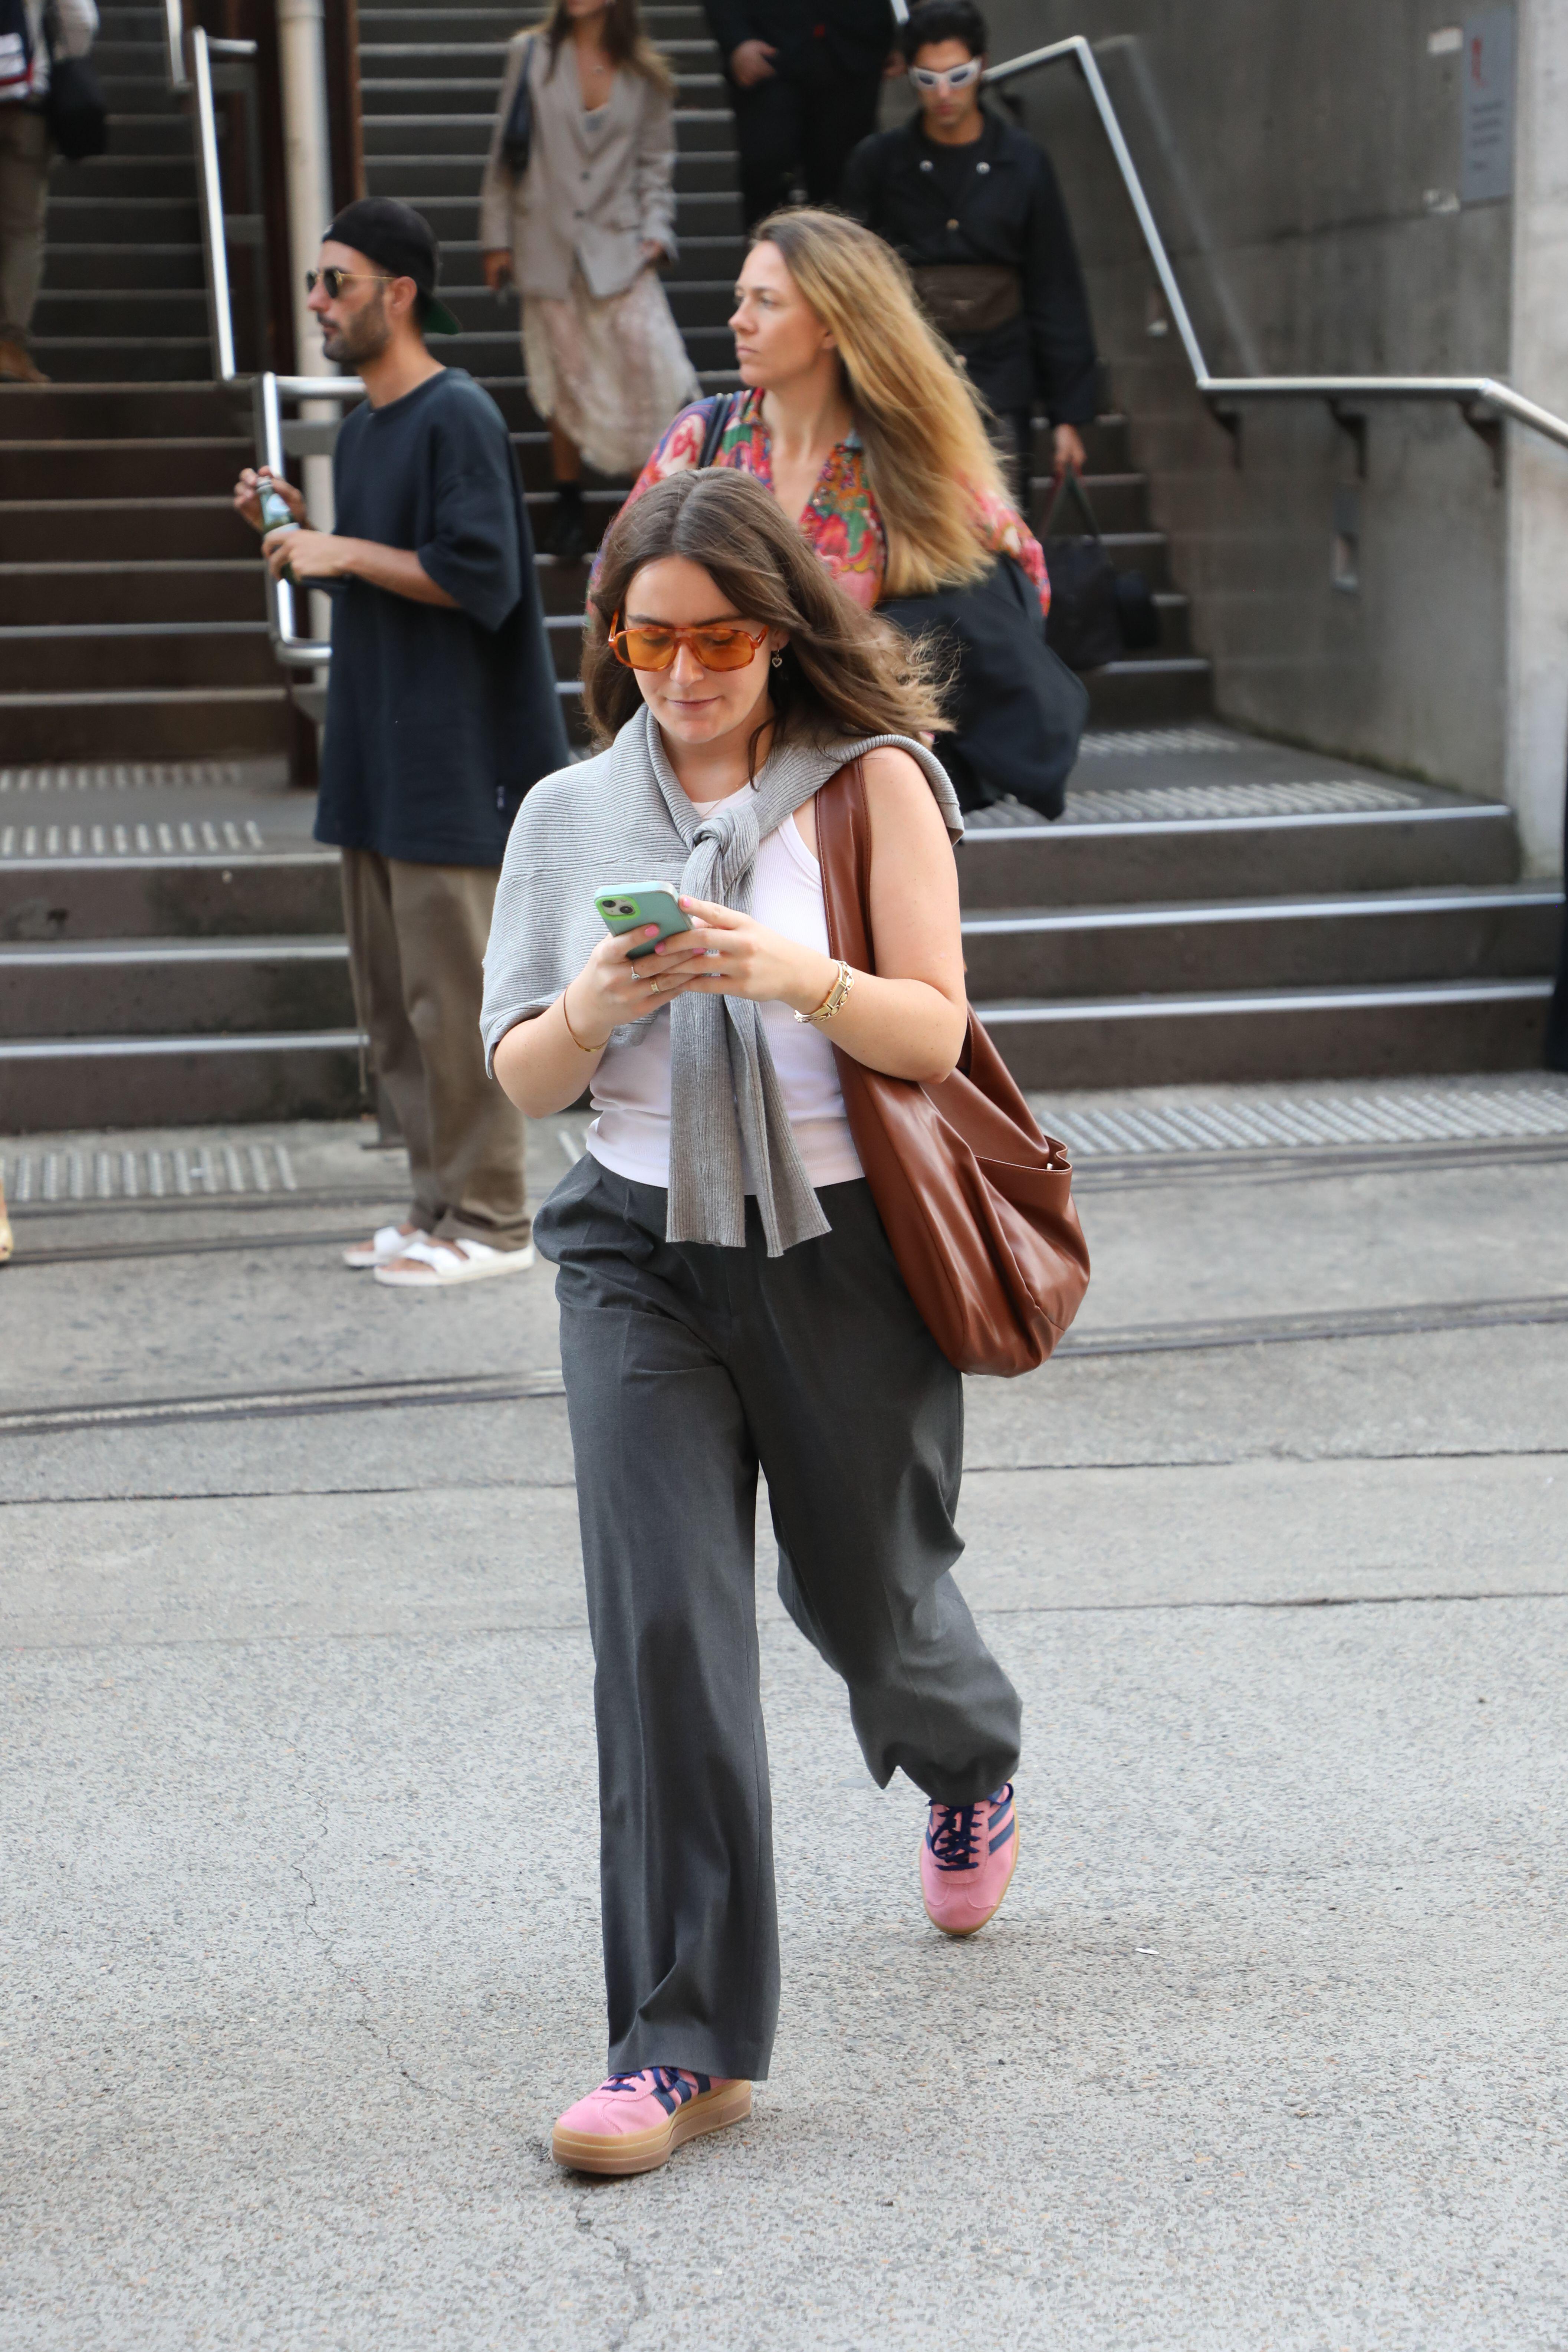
(568, 529)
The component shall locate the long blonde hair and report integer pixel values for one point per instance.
(625, 43)
(921, 421)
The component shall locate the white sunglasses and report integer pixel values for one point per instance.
(955, 77)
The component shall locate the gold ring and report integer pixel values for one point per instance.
(654, 985)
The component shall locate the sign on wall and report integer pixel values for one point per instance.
(1486, 165)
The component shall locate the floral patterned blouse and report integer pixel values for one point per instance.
(840, 519)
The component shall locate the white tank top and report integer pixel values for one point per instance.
(631, 1085)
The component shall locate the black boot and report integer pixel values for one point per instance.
(568, 528)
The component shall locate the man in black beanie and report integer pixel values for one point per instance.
(441, 712)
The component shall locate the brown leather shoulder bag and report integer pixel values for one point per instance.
(977, 1202)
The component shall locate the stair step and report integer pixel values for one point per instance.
(150, 987)
(133, 177)
(155, 722)
(1156, 691)
(137, 654)
(84, 468)
(122, 269)
(121, 359)
(135, 412)
(41, 530)
(52, 1084)
(82, 593)
(1490, 1025)
(127, 895)
(1271, 944)
(1154, 859)
(133, 219)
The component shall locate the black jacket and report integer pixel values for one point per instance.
(1009, 211)
(852, 35)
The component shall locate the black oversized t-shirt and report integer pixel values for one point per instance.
(437, 720)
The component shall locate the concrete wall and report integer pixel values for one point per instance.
(1305, 167)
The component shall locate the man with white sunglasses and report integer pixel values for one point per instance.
(971, 204)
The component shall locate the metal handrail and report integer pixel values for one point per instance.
(272, 440)
(220, 308)
(175, 41)
(1479, 398)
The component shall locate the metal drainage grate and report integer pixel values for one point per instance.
(1304, 1120)
(1118, 741)
(217, 839)
(206, 1170)
(1192, 804)
(122, 776)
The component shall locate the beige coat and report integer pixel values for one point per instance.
(596, 184)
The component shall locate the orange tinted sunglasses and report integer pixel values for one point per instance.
(718, 645)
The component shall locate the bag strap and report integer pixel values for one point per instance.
(1071, 487)
(719, 417)
(844, 856)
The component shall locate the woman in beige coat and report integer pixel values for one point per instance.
(582, 232)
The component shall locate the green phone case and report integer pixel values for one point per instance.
(627, 909)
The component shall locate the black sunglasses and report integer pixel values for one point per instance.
(336, 279)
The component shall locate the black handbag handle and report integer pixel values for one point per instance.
(722, 410)
(1071, 487)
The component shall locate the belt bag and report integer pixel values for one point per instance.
(976, 1202)
(968, 298)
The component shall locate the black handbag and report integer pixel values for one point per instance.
(1017, 710)
(517, 138)
(1098, 613)
(74, 108)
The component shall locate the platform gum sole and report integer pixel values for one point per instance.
(645, 2151)
(958, 1933)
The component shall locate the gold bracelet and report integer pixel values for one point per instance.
(833, 1001)
(560, 1000)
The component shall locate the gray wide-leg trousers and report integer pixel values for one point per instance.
(686, 1368)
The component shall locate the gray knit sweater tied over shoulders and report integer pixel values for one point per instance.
(622, 817)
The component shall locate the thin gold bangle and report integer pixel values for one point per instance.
(560, 1000)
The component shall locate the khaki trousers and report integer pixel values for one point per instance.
(24, 197)
(416, 948)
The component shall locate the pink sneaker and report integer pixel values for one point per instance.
(967, 1860)
(633, 2122)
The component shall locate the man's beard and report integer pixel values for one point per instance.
(364, 337)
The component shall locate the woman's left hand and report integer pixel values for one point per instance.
(727, 954)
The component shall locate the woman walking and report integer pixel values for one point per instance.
(729, 1298)
(857, 417)
(582, 230)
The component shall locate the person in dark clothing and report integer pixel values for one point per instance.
(971, 204)
(1557, 1012)
(804, 77)
(441, 712)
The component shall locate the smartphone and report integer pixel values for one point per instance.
(628, 906)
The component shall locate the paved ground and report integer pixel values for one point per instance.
(300, 1960)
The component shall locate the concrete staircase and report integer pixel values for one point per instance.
(1211, 906)
(132, 624)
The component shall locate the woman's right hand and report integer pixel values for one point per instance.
(497, 268)
(611, 990)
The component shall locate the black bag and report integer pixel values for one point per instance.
(1098, 613)
(517, 138)
(1018, 711)
(719, 416)
(74, 106)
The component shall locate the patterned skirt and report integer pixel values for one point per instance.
(611, 372)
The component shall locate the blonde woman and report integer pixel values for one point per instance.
(582, 232)
(857, 418)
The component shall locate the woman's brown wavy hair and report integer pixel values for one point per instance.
(625, 41)
(843, 675)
